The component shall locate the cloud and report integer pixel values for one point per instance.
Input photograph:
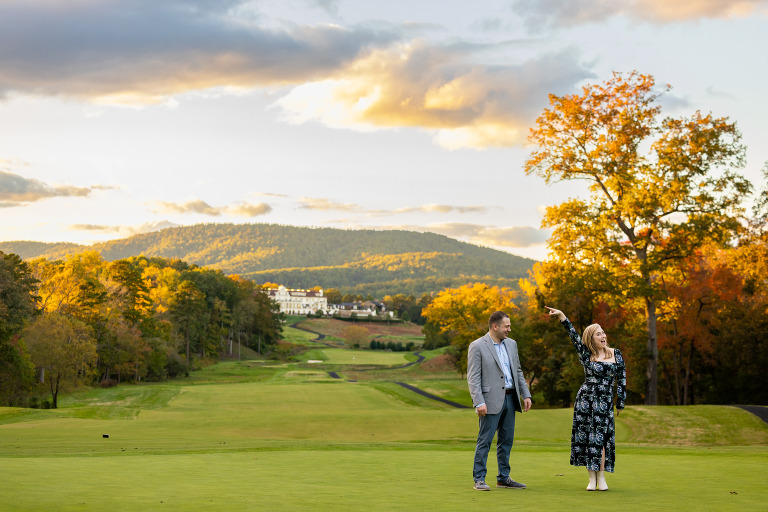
(201, 207)
(321, 203)
(362, 77)
(567, 13)
(316, 203)
(142, 51)
(249, 210)
(125, 231)
(16, 190)
(329, 6)
(194, 206)
(438, 88)
(440, 208)
(511, 236)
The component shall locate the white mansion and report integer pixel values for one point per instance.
(299, 302)
(303, 302)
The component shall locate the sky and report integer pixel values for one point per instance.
(119, 117)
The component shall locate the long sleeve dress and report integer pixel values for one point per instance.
(593, 425)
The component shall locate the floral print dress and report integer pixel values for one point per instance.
(593, 426)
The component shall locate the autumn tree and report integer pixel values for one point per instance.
(63, 349)
(355, 336)
(658, 190)
(464, 312)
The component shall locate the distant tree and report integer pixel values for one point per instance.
(434, 337)
(355, 336)
(333, 295)
(659, 190)
(63, 350)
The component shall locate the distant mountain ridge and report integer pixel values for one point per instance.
(357, 261)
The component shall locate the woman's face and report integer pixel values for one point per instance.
(601, 339)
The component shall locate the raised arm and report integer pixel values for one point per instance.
(582, 349)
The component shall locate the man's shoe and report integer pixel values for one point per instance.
(480, 485)
(510, 484)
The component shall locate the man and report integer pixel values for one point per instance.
(498, 389)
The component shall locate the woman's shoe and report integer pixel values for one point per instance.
(592, 480)
(601, 485)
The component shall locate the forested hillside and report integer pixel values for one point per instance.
(357, 261)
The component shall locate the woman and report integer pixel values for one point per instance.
(593, 438)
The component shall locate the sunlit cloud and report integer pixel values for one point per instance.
(201, 207)
(143, 51)
(249, 210)
(567, 13)
(139, 52)
(512, 236)
(321, 203)
(440, 208)
(194, 206)
(440, 89)
(124, 231)
(16, 190)
(491, 236)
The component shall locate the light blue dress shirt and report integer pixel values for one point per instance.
(501, 350)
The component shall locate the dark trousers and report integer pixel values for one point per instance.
(504, 424)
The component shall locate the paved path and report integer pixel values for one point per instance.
(319, 339)
(759, 411)
(431, 396)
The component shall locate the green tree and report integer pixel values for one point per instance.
(333, 295)
(18, 303)
(187, 308)
(63, 349)
(658, 190)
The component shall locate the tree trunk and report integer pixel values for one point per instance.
(687, 381)
(187, 336)
(652, 355)
(55, 392)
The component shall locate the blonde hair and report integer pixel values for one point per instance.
(588, 339)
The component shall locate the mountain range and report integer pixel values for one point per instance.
(366, 262)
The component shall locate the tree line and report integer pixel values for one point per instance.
(83, 320)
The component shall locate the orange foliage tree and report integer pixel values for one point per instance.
(696, 295)
(464, 311)
(659, 189)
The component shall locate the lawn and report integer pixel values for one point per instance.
(283, 436)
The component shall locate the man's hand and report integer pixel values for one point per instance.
(482, 410)
(527, 404)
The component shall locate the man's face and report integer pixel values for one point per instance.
(501, 329)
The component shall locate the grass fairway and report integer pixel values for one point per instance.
(256, 436)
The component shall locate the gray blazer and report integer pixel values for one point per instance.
(485, 377)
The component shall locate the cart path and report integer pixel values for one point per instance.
(431, 396)
(759, 411)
